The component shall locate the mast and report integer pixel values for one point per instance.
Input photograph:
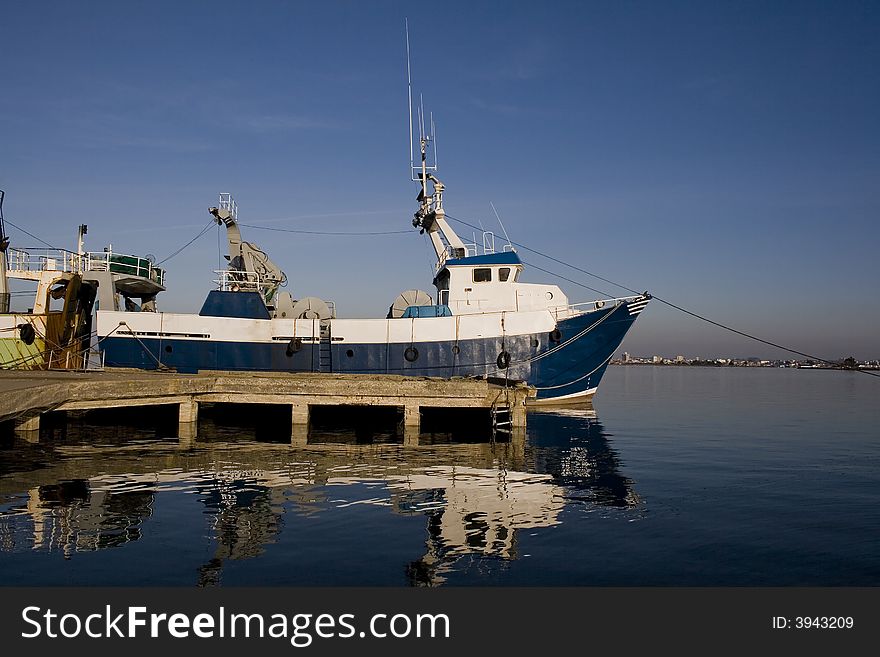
(80, 251)
(430, 217)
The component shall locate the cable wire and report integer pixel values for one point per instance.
(202, 232)
(549, 257)
(31, 235)
(668, 303)
(754, 337)
(325, 232)
(560, 276)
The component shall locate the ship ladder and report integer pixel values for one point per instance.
(325, 363)
(502, 419)
(502, 412)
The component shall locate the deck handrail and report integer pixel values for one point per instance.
(61, 260)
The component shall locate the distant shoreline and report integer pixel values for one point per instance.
(751, 365)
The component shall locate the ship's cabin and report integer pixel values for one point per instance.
(490, 283)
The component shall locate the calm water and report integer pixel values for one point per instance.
(682, 476)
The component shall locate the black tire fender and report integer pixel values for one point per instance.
(27, 333)
(294, 346)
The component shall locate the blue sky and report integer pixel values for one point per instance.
(725, 156)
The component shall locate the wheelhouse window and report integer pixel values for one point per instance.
(504, 274)
(482, 275)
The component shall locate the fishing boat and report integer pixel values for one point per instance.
(482, 320)
(55, 330)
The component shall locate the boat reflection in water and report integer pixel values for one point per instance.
(475, 498)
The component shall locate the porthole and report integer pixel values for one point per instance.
(168, 348)
(350, 353)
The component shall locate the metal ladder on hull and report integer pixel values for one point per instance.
(325, 361)
(502, 420)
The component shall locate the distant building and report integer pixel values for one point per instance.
(626, 357)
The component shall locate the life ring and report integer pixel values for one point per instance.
(27, 333)
(556, 335)
(294, 346)
(411, 354)
(503, 360)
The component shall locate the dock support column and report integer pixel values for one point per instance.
(188, 422)
(299, 423)
(518, 413)
(518, 440)
(28, 428)
(412, 421)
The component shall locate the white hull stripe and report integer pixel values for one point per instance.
(574, 397)
(636, 307)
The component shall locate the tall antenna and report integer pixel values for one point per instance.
(409, 97)
(501, 223)
(418, 170)
(434, 139)
(421, 117)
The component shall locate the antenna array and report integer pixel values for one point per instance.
(426, 138)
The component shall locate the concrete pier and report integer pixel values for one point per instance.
(25, 395)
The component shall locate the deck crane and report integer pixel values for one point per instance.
(250, 268)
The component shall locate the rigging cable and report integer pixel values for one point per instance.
(549, 257)
(32, 235)
(324, 232)
(547, 271)
(668, 303)
(219, 249)
(202, 232)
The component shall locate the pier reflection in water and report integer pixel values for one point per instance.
(326, 514)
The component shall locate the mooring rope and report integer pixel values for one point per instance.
(664, 301)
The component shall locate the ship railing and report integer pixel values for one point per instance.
(470, 250)
(228, 203)
(36, 260)
(60, 260)
(488, 242)
(444, 256)
(230, 280)
(601, 303)
(121, 263)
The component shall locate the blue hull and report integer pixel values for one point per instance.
(564, 365)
